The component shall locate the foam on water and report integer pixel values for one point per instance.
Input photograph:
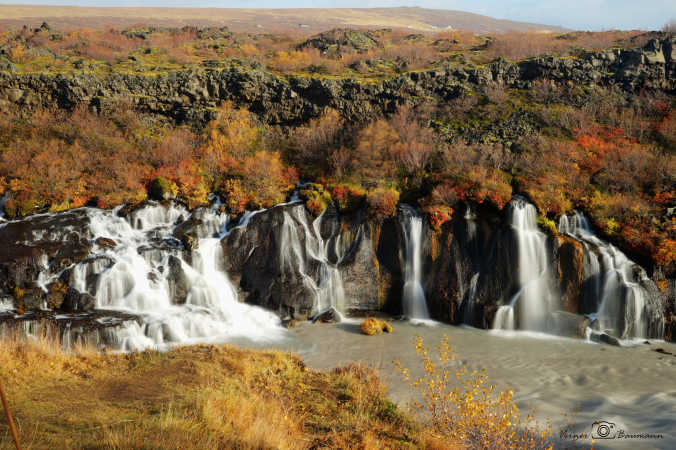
(139, 281)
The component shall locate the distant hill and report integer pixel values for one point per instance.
(250, 20)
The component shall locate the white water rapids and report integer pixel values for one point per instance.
(138, 282)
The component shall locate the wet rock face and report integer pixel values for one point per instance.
(570, 258)
(49, 243)
(75, 301)
(469, 269)
(288, 262)
(254, 261)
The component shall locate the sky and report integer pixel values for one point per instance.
(575, 14)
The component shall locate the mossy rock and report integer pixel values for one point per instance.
(548, 225)
(162, 189)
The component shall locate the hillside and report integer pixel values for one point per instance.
(243, 20)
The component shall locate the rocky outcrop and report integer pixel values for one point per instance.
(189, 96)
(570, 258)
(285, 260)
(336, 41)
(299, 266)
(46, 243)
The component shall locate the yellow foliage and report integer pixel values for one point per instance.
(372, 326)
(462, 406)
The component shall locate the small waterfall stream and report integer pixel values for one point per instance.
(535, 298)
(310, 259)
(414, 302)
(616, 297)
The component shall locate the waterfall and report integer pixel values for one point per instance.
(469, 299)
(414, 303)
(468, 294)
(309, 257)
(535, 298)
(180, 296)
(3, 200)
(617, 295)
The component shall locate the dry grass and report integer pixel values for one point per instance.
(194, 397)
(256, 20)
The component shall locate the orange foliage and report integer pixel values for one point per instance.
(382, 202)
(438, 215)
(235, 157)
(290, 61)
(347, 197)
(476, 175)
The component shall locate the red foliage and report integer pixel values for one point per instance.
(382, 202)
(438, 215)
(347, 197)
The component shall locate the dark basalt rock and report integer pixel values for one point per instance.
(49, 242)
(570, 257)
(481, 248)
(29, 299)
(188, 96)
(178, 281)
(75, 301)
(274, 261)
(105, 242)
(328, 316)
(254, 260)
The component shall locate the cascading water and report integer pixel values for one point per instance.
(616, 296)
(535, 298)
(414, 302)
(180, 296)
(469, 293)
(309, 258)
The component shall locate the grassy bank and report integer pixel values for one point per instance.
(195, 397)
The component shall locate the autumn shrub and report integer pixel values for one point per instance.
(162, 189)
(382, 201)
(316, 198)
(290, 61)
(312, 144)
(63, 160)
(547, 224)
(238, 164)
(476, 173)
(348, 197)
(373, 154)
(438, 215)
(666, 128)
(372, 326)
(461, 405)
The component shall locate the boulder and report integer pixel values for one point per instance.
(331, 315)
(177, 281)
(75, 301)
(105, 242)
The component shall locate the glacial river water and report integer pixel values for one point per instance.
(567, 381)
